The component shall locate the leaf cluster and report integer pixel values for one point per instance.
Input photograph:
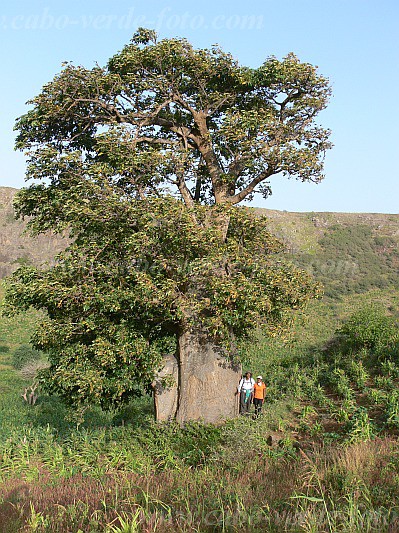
(136, 274)
(163, 114)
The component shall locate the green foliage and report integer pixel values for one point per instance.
(392, 409)
(341, 383)
(360, 427)
(140, 163)
(358, 373)
(384, 382)
(377, 396)
(24, 354)
(390, 369)
(370, 328)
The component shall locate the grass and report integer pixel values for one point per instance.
(329, 489)
(16, 331)
(322, 457)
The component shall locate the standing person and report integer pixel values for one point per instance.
(259, 395)
(246, 389)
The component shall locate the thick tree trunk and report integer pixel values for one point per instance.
(205, 380)
(166, 394)
(206, 383)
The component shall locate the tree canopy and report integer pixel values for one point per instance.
(164, 115)
(141, 163)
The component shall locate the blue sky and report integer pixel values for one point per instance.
(355, 43)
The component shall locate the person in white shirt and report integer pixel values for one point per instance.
(246, 389)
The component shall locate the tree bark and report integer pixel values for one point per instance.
(206, 385)
(166, 394)
(205, 379)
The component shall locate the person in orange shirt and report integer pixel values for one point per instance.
(259, 395)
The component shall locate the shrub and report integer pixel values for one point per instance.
(369, 328)
(358, 373)
(389, 369)
(30, 370)
(360, 427)
(24, 354)
(341, 383)
(392, 409)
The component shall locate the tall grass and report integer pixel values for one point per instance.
(350, 489)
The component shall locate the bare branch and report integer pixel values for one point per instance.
(184, 191)
(155, 140)
(179, 99)
(219, 104)
(237, 165)
(250, 187)
(198, 186)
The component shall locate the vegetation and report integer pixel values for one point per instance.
(141, 163)
(332, 393)
(323, 456)
(368, 260)
(24, 354)
(107, 326)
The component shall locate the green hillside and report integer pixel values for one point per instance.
(348, 253)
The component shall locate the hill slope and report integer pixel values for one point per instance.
(17, 248)
(348, 253)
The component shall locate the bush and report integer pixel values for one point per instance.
(370, 328)
(24, 354)
(30, 370)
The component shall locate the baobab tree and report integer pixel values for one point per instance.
(143, 163)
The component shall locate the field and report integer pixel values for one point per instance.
(323, 456)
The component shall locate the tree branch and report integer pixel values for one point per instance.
(198, 186)
(155, 140)
(250, 187)
(184, 191)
